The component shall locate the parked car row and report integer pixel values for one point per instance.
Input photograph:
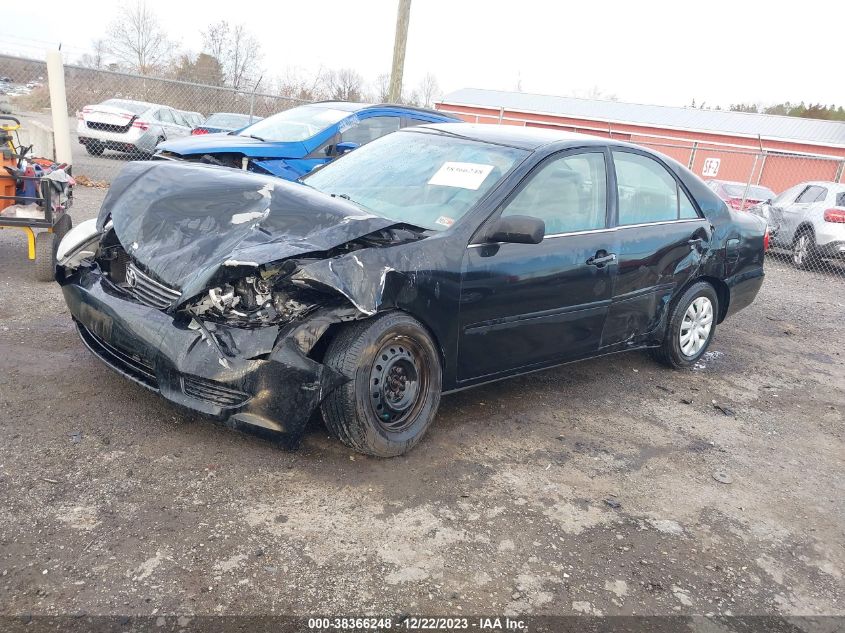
(808, 219)
(288, 144)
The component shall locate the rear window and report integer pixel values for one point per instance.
(840, 199)
(755, 192)
(132, 106)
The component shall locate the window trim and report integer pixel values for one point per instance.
(679, 183)
(610, 229)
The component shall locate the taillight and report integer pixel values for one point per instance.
(735, 203)
(835, 215)
(141, 125)
(199, 130)
(766, 239)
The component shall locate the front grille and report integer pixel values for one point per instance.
(130, 366)
(148, 291)
(213, 392)
(108, 127)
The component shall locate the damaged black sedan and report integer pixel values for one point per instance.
(430, 260)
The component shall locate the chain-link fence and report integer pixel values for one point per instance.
(117, 116)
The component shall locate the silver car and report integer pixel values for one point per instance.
(809, 221)
(134, 127)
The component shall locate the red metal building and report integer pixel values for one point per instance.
(775, 151)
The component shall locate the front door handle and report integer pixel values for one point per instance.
(600, 260)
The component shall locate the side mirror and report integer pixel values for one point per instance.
(517, 229)
(348, 146)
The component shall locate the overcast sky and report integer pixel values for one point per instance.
(663, 52)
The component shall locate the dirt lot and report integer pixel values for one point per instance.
(585, 489)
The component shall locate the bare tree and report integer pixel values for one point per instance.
(296, 85)
(345, 84)
(97, 57)
(428, 90)
(382, 87)
(137, 40)
(237, 50)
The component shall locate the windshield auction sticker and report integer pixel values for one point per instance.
(463, 175)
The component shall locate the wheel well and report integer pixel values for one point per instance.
(318, 352)
(723, 293)
(804, 227)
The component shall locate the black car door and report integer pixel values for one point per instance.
(661, 238)
(526, 305)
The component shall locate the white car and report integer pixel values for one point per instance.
(193, 118)
(134, 127)
(808, 220)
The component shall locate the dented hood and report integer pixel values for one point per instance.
(185, 222)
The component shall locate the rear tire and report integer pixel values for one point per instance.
(803, 253)
(95, 149)
(394, 384)
(691, 326)
(45, 256)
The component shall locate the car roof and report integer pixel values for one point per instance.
(353, 106)
(529, 138)
(348, 106)
(824, 183)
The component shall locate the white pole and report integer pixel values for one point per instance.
(58, 106)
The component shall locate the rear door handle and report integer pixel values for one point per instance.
(601, 260)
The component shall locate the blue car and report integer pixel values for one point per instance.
(292, 143)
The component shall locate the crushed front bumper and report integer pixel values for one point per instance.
(259, 376)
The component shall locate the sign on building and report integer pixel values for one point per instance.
(711, 167)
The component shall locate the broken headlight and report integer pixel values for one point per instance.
(251, 301)
(79, 244)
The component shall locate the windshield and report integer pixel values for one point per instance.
(232, 121)
(428, 180)
(134, 107)
(296, 124)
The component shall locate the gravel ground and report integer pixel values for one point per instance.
(611, 486)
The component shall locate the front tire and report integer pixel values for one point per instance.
(692, 324)
(394, 384)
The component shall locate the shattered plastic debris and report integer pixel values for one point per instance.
(725, 410)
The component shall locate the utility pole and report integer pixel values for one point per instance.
(402, 19)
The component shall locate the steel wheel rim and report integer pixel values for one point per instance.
(696, 326)
(398, 381)
(799, 251)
